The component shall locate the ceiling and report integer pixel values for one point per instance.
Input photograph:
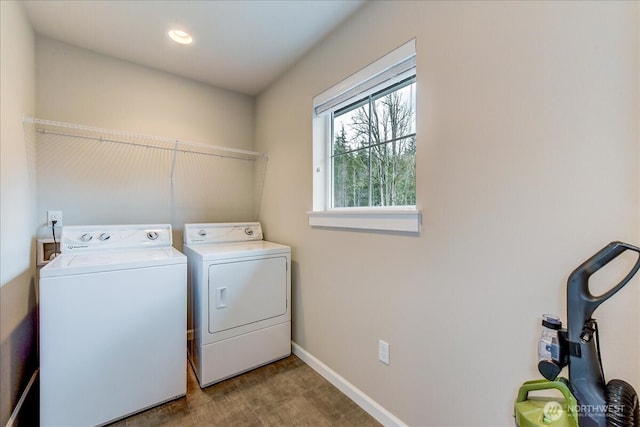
(241, 45)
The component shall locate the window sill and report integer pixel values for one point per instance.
(401, 220)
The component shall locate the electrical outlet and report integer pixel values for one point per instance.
(383, 352)
(54, 216)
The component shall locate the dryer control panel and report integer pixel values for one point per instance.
(223, 232)
(85, 238)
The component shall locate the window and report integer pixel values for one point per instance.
(365, 148)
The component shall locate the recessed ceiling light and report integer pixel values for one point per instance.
(180, 36)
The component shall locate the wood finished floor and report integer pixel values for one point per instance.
(284, 393)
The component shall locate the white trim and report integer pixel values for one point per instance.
(374, 409)
(406, 221)
(386, 62)
(321, 154)
(23, 397)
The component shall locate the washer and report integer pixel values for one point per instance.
(240, 303)
(112, 324)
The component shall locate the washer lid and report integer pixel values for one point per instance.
(70, 263)
(209, 252)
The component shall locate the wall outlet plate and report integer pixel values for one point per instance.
(383, 352)
(54, 216)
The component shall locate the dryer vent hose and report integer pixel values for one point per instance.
(623, 407)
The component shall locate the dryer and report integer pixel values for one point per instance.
(112, 324)
(240, 299)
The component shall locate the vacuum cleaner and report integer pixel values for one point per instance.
(588, 400)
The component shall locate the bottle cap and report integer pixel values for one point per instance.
(551, 322)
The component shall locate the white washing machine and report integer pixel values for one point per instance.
(112, 324)
(240, 302)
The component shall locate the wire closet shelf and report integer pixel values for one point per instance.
(51, 127)
(88, 158)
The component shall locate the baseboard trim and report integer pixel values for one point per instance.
(23, 397)
(383, 416)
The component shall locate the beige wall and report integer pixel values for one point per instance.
(18, 345)
(80, 86)
(94, 183)
(527, 165)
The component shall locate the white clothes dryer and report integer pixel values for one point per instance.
(112, 324)
(240, 303)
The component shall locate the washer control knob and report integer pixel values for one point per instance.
(86, 237)
(104, 236)
(248, 231)
(152, 235)
(202, 233)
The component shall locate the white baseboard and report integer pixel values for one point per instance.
(383, 416)
(23, 397)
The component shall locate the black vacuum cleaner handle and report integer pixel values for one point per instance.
(586, 378)
(579, 279)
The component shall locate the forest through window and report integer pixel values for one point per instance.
(373, 155)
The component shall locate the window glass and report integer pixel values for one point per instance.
(373, 149)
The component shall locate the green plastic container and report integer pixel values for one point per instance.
(546, 411)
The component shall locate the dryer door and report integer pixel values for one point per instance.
(247, 291)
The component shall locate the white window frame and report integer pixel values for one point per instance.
(388, 70)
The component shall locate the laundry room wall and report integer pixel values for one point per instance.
(527, 139)
(18, 312)
(94, 182)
